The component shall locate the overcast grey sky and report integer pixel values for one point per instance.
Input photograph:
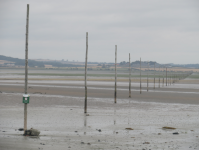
(163, 31)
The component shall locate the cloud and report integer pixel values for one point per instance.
(154, 30)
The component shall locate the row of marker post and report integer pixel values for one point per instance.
(174, 79)
(169, 80)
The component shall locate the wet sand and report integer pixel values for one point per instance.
(175, 93)
(63, 124)
(56, 109)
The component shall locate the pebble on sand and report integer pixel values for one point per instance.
(175, 133)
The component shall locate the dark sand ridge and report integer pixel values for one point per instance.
(163, 94)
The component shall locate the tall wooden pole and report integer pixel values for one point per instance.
(148, 78)
(163, 77)
(174, 77)
(86, 58)
(140, 78)
(129, 75)
(159, 76)
(166, 76)
(154, 75)
(26, 68)
(170, 77)
(115, 95)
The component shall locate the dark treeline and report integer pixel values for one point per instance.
(33, 63)
(138, 63)
(151, 63)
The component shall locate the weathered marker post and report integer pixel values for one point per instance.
(115, 94)
(154, 75)
(86, 58)
(174, 77)
(140, 78)
(159, 76)
(129, 75)
(26, 70)
(166, 76)
(148, 78)
(170, 75)
(163, 77)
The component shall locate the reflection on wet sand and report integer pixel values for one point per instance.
(85, 123)
(148, 119)
(111, 120)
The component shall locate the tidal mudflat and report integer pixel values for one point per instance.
(63, 124)
(56, 108)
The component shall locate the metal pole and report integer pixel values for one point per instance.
(148, 78)
(129, 75)
(115, 95)
(85, 104)
(140, 78)
(154, 75)
(166, 76)
(26, 68)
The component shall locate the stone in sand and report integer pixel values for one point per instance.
(175, 133)
(34, 132)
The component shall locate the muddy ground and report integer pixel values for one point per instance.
(56, 108)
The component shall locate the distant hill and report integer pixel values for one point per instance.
(33, 63)
(151, 64)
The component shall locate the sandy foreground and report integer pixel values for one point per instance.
(56, 109)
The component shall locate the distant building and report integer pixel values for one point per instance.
(6, 63)
(49, 67)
